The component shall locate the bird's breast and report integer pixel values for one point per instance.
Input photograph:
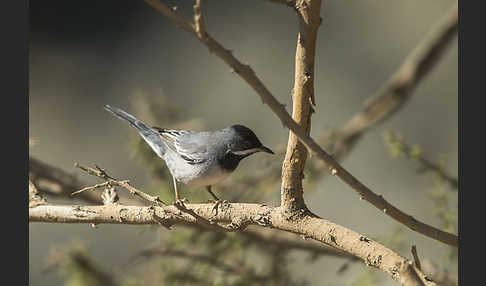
(210, 175)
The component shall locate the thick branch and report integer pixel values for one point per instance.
(238, 216)
(250, 77)
(303, 97)
(253, 236)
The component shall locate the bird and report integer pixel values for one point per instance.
(197, 158)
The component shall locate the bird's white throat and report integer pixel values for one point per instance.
(246, 152)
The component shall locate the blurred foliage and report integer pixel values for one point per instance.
(440, 195)
(398, 148)
(78, 268)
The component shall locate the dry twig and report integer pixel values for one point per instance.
(395, 142)
(416, 258)
(99, 172)
(53, 181)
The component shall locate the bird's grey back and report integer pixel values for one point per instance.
(196, 157)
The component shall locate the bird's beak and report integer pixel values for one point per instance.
(266, 150)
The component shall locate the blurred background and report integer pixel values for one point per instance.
(85, 54)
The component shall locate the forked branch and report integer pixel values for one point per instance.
(335, 168)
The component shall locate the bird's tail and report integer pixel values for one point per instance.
(150, 135)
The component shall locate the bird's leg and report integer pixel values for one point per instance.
(208, 188)
(216, 201)
(178, 200)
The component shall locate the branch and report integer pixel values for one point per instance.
(111, 181)
(398, 89)
(237, 215)
(252, 236)
(54, 181)
(303, 96)
(230, 218)
(250, 77)
(416, 257)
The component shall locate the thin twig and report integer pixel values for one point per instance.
(396, 143)
(53, 181)
(416, 258)
(364, 192)
(97, 186)
(101, 173)
(124, 184)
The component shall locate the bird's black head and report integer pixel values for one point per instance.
(243, 143)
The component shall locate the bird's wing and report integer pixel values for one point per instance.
(184, 143)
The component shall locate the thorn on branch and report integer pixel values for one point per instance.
(364, 238)
(301, 40)
(305, 237)
(333, 239)
(311, 101)
(307, 74)
(416, 258)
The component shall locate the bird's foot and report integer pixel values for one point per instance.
(180, 202)
(217, 203)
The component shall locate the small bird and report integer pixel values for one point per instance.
(197, 158)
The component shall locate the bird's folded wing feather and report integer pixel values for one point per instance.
(185, 144)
